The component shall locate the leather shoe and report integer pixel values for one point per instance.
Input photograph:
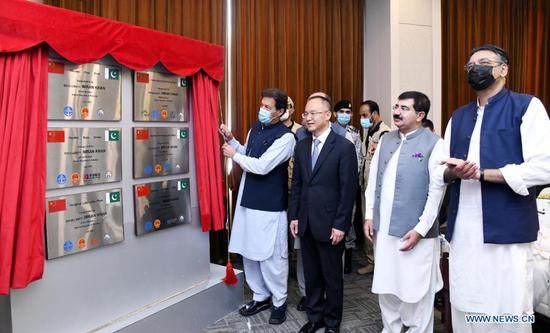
(311, 327)
(278, 315)
(301, 306)
(332, 330)
(369, 268)
(253, 307)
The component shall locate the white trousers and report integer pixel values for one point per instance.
(418, 317)
(269, 277)
(460, 325)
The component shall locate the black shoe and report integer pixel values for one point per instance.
(332, 330)
(311, 327)
(301, 306)
(253, 307)
(347, 261)
(278, 315)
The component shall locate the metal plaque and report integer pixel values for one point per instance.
(160, 151)
(161, 205)
(83, 156)
(83, 92)
(80, 222)
(160, 97)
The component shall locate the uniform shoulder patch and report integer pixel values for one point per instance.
(352, 129)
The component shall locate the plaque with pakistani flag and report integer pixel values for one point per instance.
(160, 151)
(80, 222)
(160, 97)
(161, 205)
(83, 92)
(83, 156)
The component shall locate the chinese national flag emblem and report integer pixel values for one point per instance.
(142, 134)
(142, 77)
(58, 205)
(56, 67)
(56, 136)
(143, 190)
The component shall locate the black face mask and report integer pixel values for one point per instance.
(480, 77)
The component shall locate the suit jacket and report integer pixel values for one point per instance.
(323, 198)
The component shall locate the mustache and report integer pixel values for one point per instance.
(397, 117)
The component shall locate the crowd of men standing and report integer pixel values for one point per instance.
(304, 178)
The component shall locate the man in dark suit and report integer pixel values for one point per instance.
(323, 192)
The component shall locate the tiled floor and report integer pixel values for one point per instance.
(361, 310)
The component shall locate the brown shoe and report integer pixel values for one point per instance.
(366, 270)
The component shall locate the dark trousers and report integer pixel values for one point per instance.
(324, 279)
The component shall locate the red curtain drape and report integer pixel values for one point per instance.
(83, 38)
(208, 160)
(23, 121)
(23, 114)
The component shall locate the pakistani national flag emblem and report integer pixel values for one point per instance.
(112, 197)
(182, 133)
(112, 73)
(112, 135)
(183, 184)
(182, 82)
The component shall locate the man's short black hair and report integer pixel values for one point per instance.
(421, 101)
(323, 97)
(503, 55)
(280, 97)
(427, 123)
(373, 106)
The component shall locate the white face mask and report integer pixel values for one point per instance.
(285, 116)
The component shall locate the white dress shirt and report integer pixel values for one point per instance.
(322, 138)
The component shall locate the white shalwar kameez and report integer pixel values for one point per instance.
(496, 279)
(406, 281)
(261, 236)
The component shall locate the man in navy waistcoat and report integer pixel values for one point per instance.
(259, 231)
(499, 152)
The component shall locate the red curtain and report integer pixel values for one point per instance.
(83, 38)
(208, 160)
(23, 113)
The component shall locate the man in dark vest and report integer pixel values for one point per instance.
(499, 152)
(259, 231)
(402, 201)
(324, 184)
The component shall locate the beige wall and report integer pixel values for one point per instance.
(403, 52)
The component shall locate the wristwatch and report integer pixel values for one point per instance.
(481, 174)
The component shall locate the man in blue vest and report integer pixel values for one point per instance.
(259, 231)
(499, 151)
(401, 205)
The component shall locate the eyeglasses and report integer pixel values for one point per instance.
(305, 114)
(469, 66)
(403, 108)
